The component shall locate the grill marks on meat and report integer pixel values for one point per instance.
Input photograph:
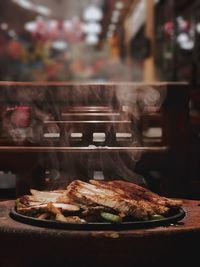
(126, 191)
(90, 194)
(160, 205)
(136, 190)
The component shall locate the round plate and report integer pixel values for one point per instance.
(174, 216)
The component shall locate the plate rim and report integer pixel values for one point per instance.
(181, 213)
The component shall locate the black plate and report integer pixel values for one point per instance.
(174, 216)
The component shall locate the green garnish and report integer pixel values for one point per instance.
(111, 217)
(156, 217)
(17, 202)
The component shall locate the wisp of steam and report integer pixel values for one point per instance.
(40, 125)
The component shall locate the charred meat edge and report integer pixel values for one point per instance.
(126, 192)
(88, 194)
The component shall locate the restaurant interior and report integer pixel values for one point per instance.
(95, 92)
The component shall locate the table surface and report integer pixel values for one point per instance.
(165, 246)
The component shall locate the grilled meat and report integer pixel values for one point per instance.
(92, 195)
(136, 190)
(126, 191)
(74, 219)
(44, 207)
(51, 196)
(86, 202)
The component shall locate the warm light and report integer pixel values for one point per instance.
(4, 26)
(182, 38)
(92, 39)
(183, 24)
(27, 4)
(59, 45)
(115, 16)
(137, 18)
(92, 27)
(169, 28)
(112, 27)
(24, 3)
(68, 25)
(30, 26)
(12, 33)
(109, 34)
(185, 42)
(188, 45)
(52, 24)
(54, 29)
(93, 13)
(198, 27)
(43, 10)
(119, 5)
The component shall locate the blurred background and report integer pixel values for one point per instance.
(101, 40)
(106, 40)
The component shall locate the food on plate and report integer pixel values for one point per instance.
(96, 201)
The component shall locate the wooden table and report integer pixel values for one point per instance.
(24, 245)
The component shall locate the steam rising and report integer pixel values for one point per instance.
(122, 105)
